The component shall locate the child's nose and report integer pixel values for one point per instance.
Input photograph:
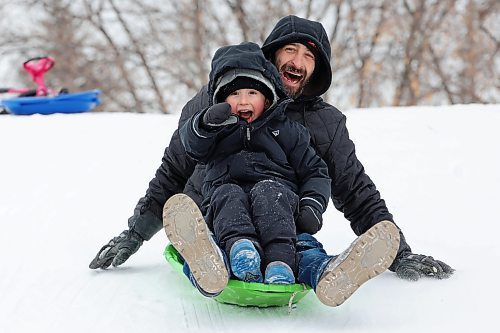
(243, 99)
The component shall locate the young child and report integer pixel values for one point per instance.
(263, 180)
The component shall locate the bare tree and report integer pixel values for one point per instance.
(368, 65)
(150, 56)
(424, 18)
(62, 38)
(476, 58)
(139, 51)
(94, 15)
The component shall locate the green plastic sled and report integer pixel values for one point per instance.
(246, 293)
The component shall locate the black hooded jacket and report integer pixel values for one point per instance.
(352, 191)
(271, 147)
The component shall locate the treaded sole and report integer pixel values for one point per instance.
(186, 229)
(368, 256)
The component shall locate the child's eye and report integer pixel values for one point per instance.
(234, 93)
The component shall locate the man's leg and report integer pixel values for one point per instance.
(189, 234)
(335, 280)
(312, 260)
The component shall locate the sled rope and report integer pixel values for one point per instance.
(291, 306)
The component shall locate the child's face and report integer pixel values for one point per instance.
(248, 104)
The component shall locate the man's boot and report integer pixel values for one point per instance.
(368, 256)
(189, 234)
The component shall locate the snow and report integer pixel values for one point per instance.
(69, 183)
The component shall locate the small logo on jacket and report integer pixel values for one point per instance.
(276, 133)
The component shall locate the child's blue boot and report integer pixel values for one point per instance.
(245, 261)
(278, 272)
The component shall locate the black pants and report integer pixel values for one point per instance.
(264, 214)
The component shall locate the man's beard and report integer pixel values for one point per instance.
(293, 92)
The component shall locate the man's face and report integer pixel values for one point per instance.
(295, 63)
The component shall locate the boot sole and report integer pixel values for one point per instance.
(368, 256)
(187, 231)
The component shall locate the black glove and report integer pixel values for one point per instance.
(310, 220)
(218, 115)
(118, 250)
(411, 266)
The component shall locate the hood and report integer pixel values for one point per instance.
(292, 29)
(245, 59)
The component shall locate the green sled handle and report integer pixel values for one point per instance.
(248, 293)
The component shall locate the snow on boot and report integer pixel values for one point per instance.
(368, 256)
(245, 261)
(278, 272)
(189, 234)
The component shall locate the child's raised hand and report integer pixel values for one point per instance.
(219, 115)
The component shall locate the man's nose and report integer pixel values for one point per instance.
(298, 60)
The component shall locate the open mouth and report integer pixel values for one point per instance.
(245, 114)
(293, 78)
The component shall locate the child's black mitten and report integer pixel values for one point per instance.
(218, 115)
(310, 220)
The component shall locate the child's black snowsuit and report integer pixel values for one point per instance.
(258, 172)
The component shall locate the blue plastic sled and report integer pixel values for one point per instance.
(65, 103)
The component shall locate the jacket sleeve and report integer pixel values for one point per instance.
(311, 170)
(198, 142)
(170, 178)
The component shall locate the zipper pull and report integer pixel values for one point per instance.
(248, 133)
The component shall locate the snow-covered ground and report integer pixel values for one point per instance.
(68, 183)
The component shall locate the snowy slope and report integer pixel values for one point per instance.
(68, 183)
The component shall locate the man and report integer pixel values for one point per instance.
(300, 50)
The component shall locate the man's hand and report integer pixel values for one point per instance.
(411, 267)
(219, 115)
(118, 250)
